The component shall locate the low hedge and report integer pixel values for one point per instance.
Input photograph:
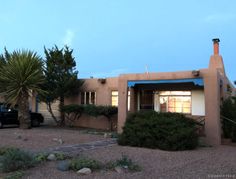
(228, 110)
(166, 131)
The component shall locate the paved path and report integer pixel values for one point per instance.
(77, 148)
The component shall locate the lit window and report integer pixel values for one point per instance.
(88, 97)
(114, 98)
(175, 101)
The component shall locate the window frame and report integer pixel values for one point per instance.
(86, 97)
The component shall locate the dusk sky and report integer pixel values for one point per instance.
(110, 37)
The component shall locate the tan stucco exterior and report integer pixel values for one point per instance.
(215, 89)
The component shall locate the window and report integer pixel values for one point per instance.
(88, 97)
(175, 101)
(114, 98)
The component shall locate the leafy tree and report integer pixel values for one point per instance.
(21, 73)
(61, 78)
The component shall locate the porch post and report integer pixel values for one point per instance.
(212, 107)
(122, 103)
(133, 105)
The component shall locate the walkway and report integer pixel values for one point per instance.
(77, 148)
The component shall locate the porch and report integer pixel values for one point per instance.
(182, 96)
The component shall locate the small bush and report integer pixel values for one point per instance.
(233, 134)
(124, 162)
(15, 159)
(4, 150)
(15, 175)
(227, 110)
(79, 163)
(41, 157)
(166, 131)
(60, 156)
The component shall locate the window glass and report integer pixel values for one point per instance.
(175, 101)
(177, 93)
(93, 96)
(88, 97)
(87, 94)
(114, 98)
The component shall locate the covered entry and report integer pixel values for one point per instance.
(182, 95)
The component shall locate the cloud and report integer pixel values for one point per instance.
(68, 37)
(220, 18)
(112, 73)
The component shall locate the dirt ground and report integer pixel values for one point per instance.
(208, 162)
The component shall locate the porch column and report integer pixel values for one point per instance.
(212, 107)
(133, 105)
(122, 103)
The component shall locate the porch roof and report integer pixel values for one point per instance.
(195, 81)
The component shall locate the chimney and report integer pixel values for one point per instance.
(216, 46)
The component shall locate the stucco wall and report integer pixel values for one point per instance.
(103, 90)
(99, 122)
(103, 97)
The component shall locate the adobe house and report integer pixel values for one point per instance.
(196, 93)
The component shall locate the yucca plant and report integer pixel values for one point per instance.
(21, 73)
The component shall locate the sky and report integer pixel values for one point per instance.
(112, 37)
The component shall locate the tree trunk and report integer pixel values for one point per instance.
(23, 112)
(61, 105)
(52, 114)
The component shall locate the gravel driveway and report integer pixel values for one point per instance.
(209, 162)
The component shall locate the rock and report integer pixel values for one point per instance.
(25, 139)
(51, 157)
(63, 165)
(118, 169)
(60, 141)
(84, 171)
(125, 167)
(19, 137)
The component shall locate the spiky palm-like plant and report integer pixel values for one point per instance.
(20, 74)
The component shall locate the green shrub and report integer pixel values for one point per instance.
(91, 110)
(79, 163)
(4, 150)
(41, 157)
(16, 159)
(124, 162)
(228, 110)
(15, 175)
(166, 131)
(72, 112)
(233, 134)
(60, 156)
